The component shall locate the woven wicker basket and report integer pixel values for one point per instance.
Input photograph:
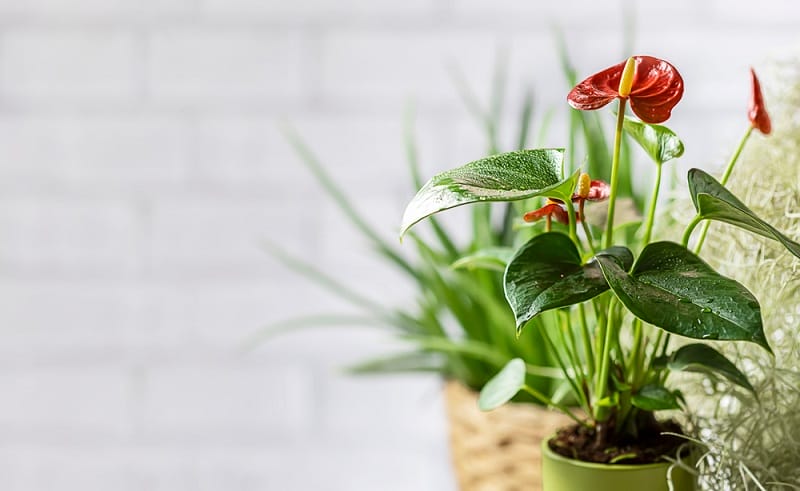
(497, 450)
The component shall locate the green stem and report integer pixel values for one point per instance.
(687, 234)
(612, 198)
(665, 346)
(573, 224)
(735, 157)
(586, 229)
(723, 181)
(570, 377)
(586, 338)
(568, 342)
(601, 382)
(634, 360)
(546, 400)
(651, 215)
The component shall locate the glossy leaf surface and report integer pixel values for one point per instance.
(503, 386)
(703, 358)
(672, 288)
(660, 142)
(714, 202)
(503, 177)
(547, 273)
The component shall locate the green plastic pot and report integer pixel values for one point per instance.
(563, 474)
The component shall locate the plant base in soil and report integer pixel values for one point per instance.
(581, 443)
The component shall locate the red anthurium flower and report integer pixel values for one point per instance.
(757, 112)
(550, 210)
(653, 89)
(591, 190)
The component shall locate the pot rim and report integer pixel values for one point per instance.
(547, 452)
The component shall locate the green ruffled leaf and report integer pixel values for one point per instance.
(547, 273)
(672, 288)
(503, 386)
(705, 359)
(660, 142)
(492, 258)
(653, 397)
(503, 177)
(713, 202)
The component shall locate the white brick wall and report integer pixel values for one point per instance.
(141, 166)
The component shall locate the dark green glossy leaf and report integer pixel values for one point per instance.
(503, 177)
(673, 289)
(703, 358)
(714, 202)
(653, 397)
(492, 258)
(503, 386)
(660, 142)
(547, 273)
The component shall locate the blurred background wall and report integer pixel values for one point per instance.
(141, 169)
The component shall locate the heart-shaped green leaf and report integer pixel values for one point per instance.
(492, 258)
(503, 177)
(660, 142)
(703, 358)
(547, 273)
(503, 386)
(714, 202)
(672, 288)
(653, 397)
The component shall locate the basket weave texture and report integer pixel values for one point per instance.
(497, 450)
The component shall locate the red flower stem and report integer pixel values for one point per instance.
(612, 198)
(573, 221)
(723, 181)
(601, 413)
(651, 215)
(736, 154)
(636, 358)
(585, 225)
(586, 338)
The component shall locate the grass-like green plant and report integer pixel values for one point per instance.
(460, 325)
(610, 314)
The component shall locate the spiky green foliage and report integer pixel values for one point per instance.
(460, 325)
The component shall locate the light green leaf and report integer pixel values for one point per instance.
(714, 202)
(660, 142)
(502, 177)
(414, 361)
(547, 273)
(492, 258)
(705, 359)
(672, 288)
(503, 386)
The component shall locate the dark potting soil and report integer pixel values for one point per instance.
(581, 443)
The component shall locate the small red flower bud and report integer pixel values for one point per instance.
(757, 112)
(550, 209)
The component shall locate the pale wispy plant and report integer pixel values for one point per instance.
(753, 442)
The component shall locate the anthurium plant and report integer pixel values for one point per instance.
(615, 299)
